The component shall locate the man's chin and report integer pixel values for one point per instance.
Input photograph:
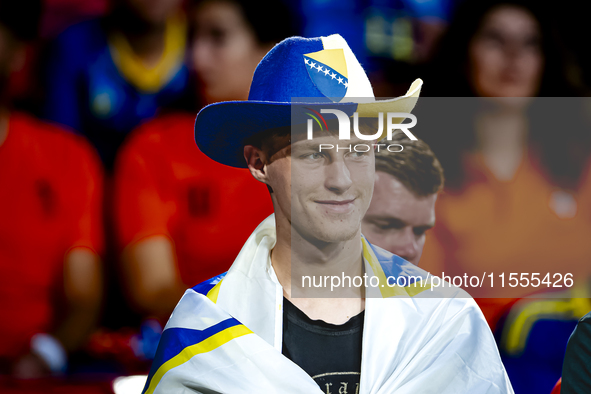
(328, 228)
(336, 231)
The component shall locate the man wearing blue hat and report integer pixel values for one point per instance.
(278, 321)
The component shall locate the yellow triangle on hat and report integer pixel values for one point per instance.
(333, 58)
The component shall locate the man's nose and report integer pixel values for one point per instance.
(404, 244)
(338, 177)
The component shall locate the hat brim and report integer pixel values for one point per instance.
(222, 129)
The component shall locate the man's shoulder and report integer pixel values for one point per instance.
(197, 301)
(586, 319)
(583, 329)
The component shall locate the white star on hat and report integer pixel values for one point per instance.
(333, 75)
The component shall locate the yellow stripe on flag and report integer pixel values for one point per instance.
(207, 345)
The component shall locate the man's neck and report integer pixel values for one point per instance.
(295, 259)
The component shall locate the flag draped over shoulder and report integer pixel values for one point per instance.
(225, 335)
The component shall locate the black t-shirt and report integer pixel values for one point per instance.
(329, 353)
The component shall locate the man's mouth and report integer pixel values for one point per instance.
(337, 206)
(335, 202)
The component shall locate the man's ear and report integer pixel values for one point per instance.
(255, 160)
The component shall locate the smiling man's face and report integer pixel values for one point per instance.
(323, 194)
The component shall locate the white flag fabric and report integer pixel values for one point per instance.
(225, 335)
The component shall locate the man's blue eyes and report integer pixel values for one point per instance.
(313, 156)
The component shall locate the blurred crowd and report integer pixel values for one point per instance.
(108, 210)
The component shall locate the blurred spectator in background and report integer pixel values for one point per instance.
(105, 76)
(496, 48)
(510, 180)
(513, 165)
(230, 39)
(181, 217)
(402, 208)
(50, 225)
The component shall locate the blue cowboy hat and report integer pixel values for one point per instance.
(307, 73)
